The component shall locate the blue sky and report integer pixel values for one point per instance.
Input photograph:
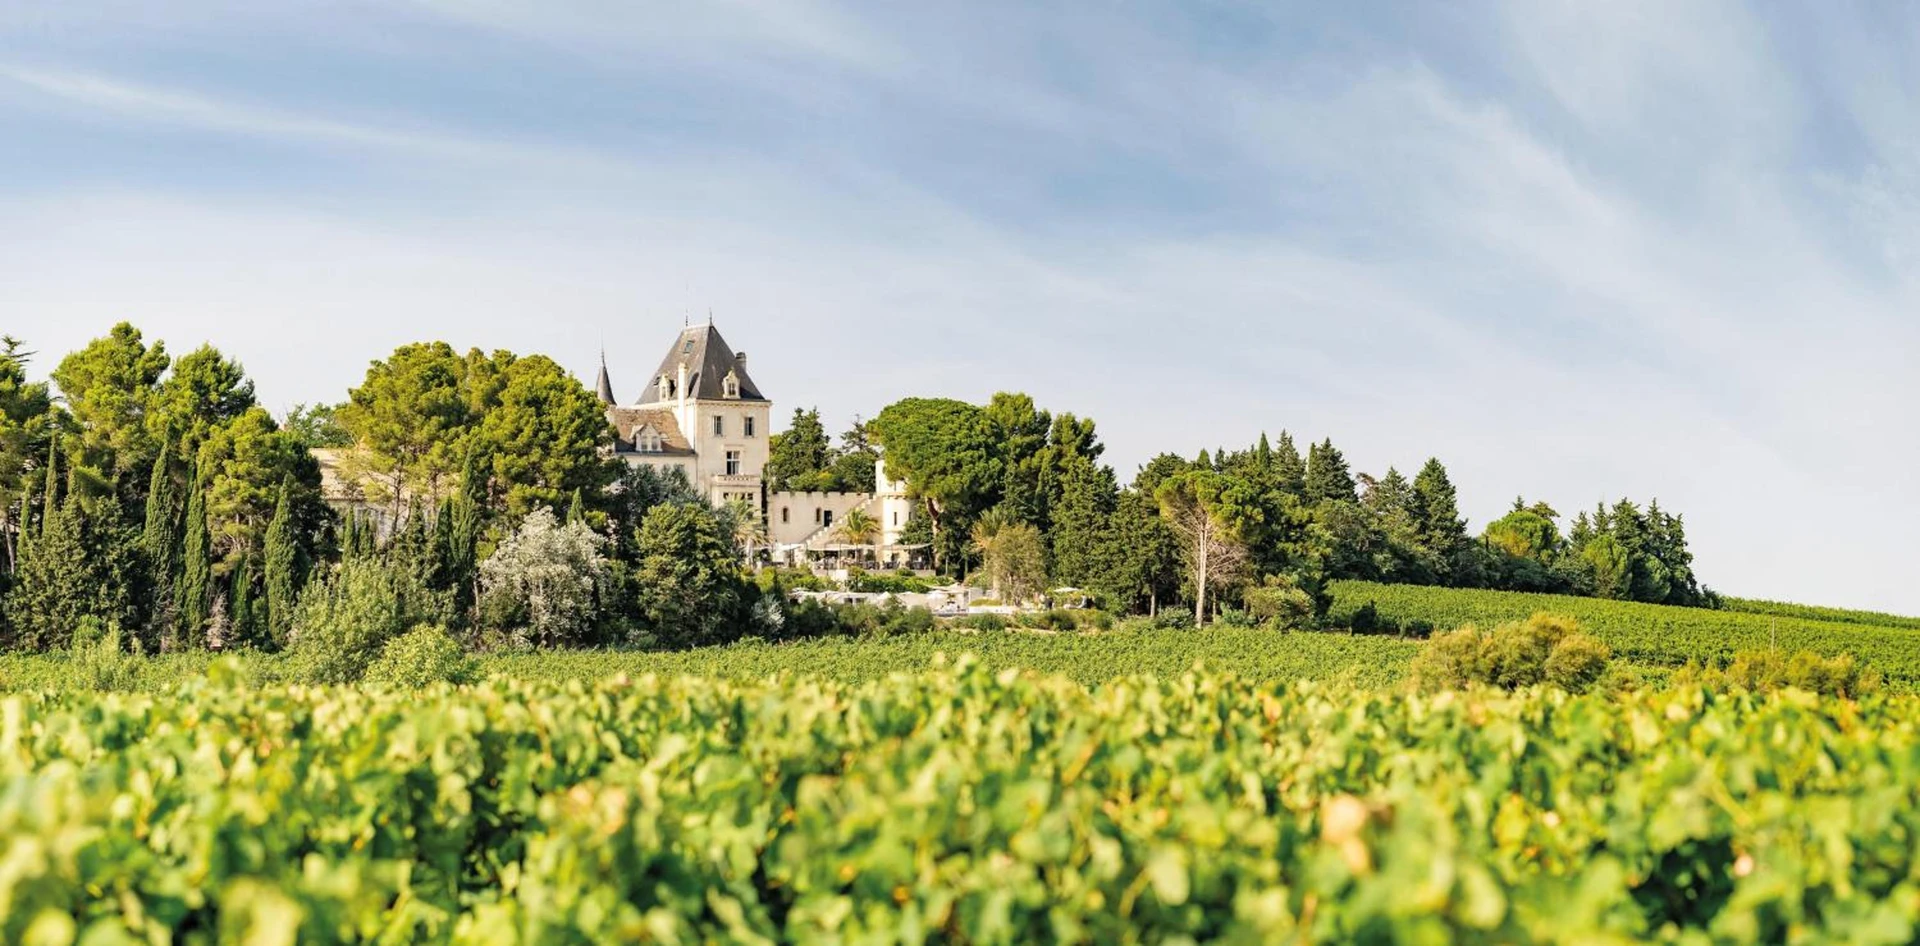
(1578, 251)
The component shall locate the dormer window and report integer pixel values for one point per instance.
(666, 388)
(730, 386)
(648, 440)
(687, 349)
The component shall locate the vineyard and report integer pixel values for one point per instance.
(954, 805)
(1087, 659)
(1813, 613)
(1642, 633)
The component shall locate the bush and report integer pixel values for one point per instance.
(1055, 620)
(1173, 619)
(544, 580)
(100, 659)
(789, 579)
(1285, 605)
(1092, 620)
(903, 583)
(344, 620)
(423, 656)
(984, 622)
(1234, 617)
(1763, 671)
(1544, 648)
(887, 619)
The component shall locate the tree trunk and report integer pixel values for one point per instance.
(1201, 551)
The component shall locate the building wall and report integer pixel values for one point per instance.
(696, 419)
(792, 517)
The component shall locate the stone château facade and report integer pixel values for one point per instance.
(702, 415)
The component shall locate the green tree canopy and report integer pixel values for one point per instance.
(798, 456)
(203, 391)
(244, 463)
(108, 387)
(543, 435)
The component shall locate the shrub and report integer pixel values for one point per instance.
(1234, 617)
(544, 579)
(896, 584)
(1544, 648)
(984, 622)
(1055, 620)
(889, 618)
(1092, 620)
(789, 579)
(420, 657)
(1763, 671)
(344, 619)
(1285, 605)
(1577, 662)
(1173, 619)
(100, 659)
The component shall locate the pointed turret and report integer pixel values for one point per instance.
(605, 386)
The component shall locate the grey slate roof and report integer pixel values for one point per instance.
(605, 385)
(708, 360)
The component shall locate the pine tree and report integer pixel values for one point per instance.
(1288, 470)
(1438, 507)
(282, 568)
(196, 569)
(1328, 478)
(159, 543)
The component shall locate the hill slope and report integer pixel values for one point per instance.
(1643, 633)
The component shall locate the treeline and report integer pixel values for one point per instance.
(1021, 494)
(153, 498)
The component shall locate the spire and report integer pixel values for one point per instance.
(605, 386)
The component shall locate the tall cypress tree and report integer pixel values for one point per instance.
(462, 552)
(282, 568)
(51, 503)
(577, 512)
(51, 591)
(246, 631)
(1082, 522)
(158, 544)
(195, 597)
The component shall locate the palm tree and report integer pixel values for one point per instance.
(859, 528)
(749, 530)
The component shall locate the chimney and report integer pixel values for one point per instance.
(740, 358)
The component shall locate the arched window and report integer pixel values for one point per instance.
(730, 385)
